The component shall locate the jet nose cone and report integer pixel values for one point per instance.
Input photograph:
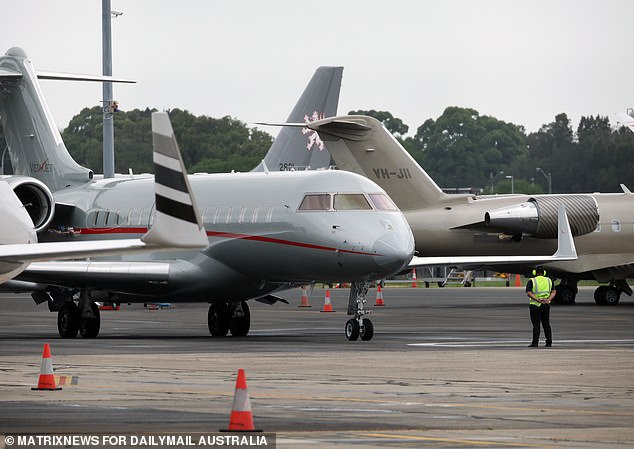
(394, 250)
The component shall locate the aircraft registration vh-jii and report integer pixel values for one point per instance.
(498, 225)
(266, 231)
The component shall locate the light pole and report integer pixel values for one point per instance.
(512, 183)
(549, 178)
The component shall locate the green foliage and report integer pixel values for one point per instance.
(207, 144)
(462, 148)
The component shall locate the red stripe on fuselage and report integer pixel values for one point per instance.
(227, 235)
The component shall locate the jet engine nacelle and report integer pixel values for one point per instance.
(538, 216)
(36, 198)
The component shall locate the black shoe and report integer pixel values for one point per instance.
(532, 345)
(549, 344)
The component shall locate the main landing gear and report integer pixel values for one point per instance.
(232, 317)
(84, 318)
(359, 326)
(610, 295)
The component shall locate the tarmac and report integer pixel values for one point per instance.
(447, 368)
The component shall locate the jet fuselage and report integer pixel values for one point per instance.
(259, 238)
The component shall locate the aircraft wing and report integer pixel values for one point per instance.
(177, 223)
(566, 251)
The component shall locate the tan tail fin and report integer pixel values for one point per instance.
(362, 145)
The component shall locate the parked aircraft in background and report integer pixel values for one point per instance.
(465, 225)
(627, 119)
(177, 225)
(19, 246)
(300, 149)
(267, 231)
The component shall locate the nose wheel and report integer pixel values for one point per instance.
(358, 326)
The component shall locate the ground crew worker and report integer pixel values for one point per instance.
(540, 291)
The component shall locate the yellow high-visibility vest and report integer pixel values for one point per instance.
(542, 286)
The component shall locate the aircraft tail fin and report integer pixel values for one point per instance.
(177, 216)
(294, 148)
(34, 142)
(363, 145)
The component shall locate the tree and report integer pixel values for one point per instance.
(462, 148)
(207, 144)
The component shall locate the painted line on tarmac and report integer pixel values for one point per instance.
(472, 344)
(385, 436)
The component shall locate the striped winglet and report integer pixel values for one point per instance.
(177, 217)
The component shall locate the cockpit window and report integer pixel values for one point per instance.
(316, 202)
(382, 202)
(351, 201)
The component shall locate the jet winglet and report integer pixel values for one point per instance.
(566, 251)
(565, 244)
(177, 221)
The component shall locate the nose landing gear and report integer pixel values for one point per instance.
(359, 326)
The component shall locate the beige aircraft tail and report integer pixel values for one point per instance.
(362, 145)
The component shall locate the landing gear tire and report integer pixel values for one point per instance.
(612, 296)
(240, 321)
(218, 319)
(607, 295)
(599, 295)
(367, 330)
(566, 294)
(352, 329)
(89, 326)
(68, 320)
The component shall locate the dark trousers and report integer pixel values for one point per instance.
(541, 315)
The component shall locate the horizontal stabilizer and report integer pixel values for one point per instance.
(80, 77)
(566, 251)
(9, 74)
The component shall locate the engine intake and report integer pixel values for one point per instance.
(36, 198)
(538, 216)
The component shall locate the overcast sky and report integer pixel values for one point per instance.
(519, 61)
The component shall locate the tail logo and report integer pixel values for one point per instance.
(313, 138)
(44, 167)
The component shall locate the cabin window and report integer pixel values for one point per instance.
(616, 225)
(351, 201)
(216, 214)
(243, 210)
(269, 215)
(312, 201)
(254, 218)
(229, 213)
(382, 202)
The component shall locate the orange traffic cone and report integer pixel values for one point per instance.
(379, 297)
(518, 282)
(327, 303)
(304, 302)
(241, 419)
(47, 379)
(414, 283)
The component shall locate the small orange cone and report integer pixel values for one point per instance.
(241, 419)
(414, 283)
(327, 303)
(47, 378)
(379, 297)
(304, 302)
(518, 282)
